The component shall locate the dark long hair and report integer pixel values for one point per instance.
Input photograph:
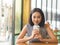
(41, 24)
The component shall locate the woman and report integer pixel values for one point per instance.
(44, 34)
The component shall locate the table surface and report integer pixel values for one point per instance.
(38, 44)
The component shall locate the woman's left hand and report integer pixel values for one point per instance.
(38, 35)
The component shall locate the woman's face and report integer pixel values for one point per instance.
(36, 17)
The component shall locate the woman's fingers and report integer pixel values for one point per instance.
(36, 31)
(36, 34)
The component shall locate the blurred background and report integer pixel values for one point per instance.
(14, 15)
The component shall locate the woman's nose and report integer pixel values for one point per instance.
(36, 19)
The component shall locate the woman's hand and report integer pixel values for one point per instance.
(33, 34)
(38, 36)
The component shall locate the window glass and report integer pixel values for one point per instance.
(51, 9)
(18, 16)
(6, 20)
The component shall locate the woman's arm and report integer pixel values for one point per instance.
(49, 40)
(21, 36)
(51, 34)
(23, 33)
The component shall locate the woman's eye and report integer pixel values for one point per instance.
(34, 17)
(38, 16)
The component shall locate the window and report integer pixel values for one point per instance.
(6, 12)
(51, 9)
(18, 11)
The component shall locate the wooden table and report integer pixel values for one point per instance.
(38, 44)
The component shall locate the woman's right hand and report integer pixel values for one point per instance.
(34, 33)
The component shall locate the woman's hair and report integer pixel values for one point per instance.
(41, 24)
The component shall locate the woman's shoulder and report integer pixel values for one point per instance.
(47, 25)
(27, 25)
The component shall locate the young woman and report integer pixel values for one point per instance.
(44, 34)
